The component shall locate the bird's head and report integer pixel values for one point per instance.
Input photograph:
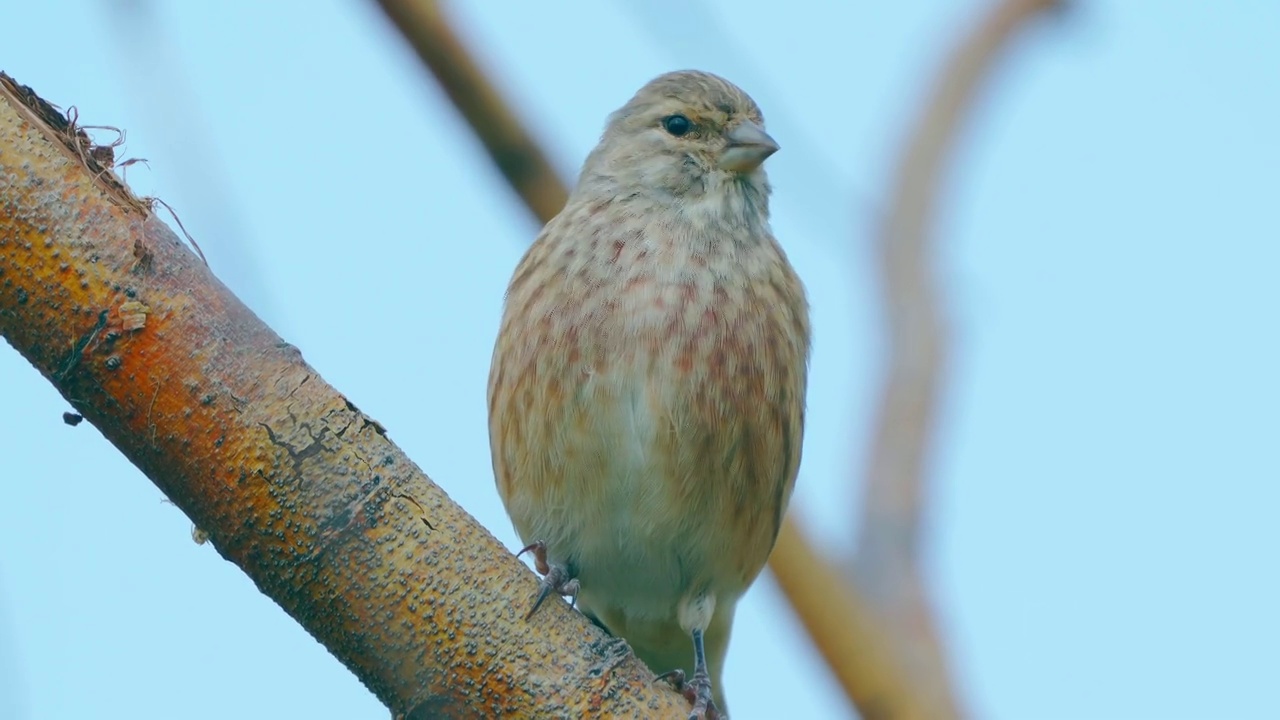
(686, 135)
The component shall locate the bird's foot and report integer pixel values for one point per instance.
(697, 692)
(555, 578)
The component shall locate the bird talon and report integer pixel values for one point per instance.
(704, 707)
(676, 679)
(555, 578)
(539, 550)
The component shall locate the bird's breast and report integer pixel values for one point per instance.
(645, 417)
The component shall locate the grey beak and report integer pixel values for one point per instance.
(748, 146)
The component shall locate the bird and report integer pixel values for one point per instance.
(647, 390)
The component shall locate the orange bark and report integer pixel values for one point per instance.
(291, 481)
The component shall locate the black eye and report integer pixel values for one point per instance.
(677, 125)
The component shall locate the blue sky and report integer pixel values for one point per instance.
(1103, 529)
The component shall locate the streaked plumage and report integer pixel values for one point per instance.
(646, 397)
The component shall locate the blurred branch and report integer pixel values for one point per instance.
(513, 150)
(289, 479)
(893, 506)
(893, 617)
(844, 628)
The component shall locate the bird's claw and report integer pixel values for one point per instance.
(555, 578)
(674, 678)
(539, 550)
(697, 692)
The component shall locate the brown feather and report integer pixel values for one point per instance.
(646, 396)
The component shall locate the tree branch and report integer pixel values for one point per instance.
(888, 610)
(510, 146)
(894, 490)
(291, 482)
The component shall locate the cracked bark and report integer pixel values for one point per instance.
(289, 479)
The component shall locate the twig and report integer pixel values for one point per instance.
(513, 150)
(891, 526)
(843, 626)
(887, 564)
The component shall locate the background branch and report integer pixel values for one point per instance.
(887, 560)
(893, 504)
(510, 146)
(290, 481)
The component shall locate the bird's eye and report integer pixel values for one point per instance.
(677, 125)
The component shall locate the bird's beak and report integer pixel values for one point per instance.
(748, 146)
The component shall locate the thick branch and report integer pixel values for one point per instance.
(290, 480)
(511, 147)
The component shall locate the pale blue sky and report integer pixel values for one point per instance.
(1107, 475)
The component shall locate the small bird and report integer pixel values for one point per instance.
(646, 397)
